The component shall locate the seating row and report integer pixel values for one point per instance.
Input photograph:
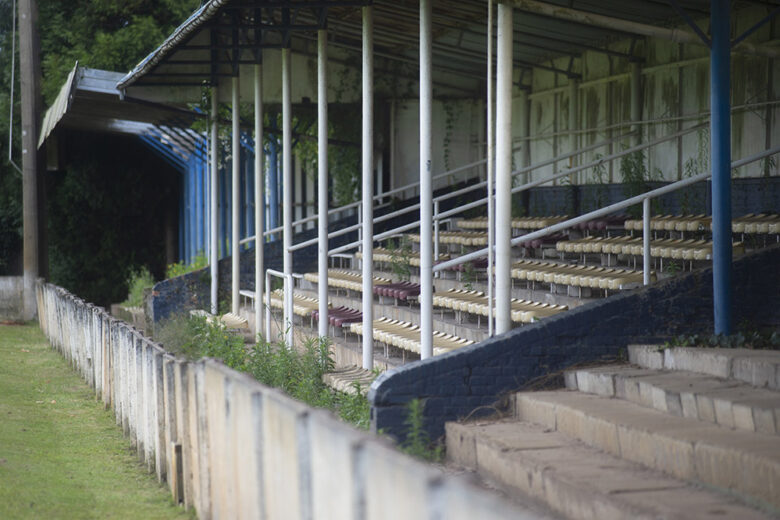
(344, 279)
(406, 336)
(476, 302)
(463, 238)
(302, 305)
(517, 223)
(577, 275)
(388, 256)
(749, 224)
(679, 249)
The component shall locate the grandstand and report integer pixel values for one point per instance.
(512, 220)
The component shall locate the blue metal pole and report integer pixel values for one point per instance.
(181, 219)
(198, 167)
(204, 221)
(188, 214)
(720, 150)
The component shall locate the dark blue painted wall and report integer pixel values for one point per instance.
(455, 384)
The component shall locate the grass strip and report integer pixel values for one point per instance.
(61, 453)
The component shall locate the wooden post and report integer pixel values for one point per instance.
(30, 71)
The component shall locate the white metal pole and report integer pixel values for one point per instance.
(235, 196)
(426, 190)
(646, 241)
(503, 168)
(287, 206)
(574, 88)
(322, 178)
(368, 187)
(259, 199)
(213, 192)
(636, 102)
(268, 306)
(490, 165)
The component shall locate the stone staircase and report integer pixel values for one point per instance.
(679, 433)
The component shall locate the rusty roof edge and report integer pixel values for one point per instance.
(191, 24)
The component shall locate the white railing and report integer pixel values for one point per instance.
(439, 216)
(644, 199)
(287, 305)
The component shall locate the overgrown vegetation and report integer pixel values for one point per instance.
(179, 268)
(97, 233)
(418, 443)
(400, 252)
(139, 280)
(750, 339)
(636, 178)
(299, 374)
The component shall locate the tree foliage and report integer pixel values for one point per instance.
(90, 259)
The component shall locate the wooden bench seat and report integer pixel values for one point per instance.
(343, 279)
(406, 336)
(577, 275)
(476, 302)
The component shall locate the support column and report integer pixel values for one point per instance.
(720, 150)
(259, 200)
(368, 187)
(322, 179)
(525, 127)
(491, 152)
(287, 185)
(30, 72)
(574, 107)
(273, 180)
(235, 217)
(213, 198)
(426, 189)
(503, 168)
(636, 102)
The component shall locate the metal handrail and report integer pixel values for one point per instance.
(446, 196)
(517, 189)
(287, 307)
(356, 204)
(606, 210)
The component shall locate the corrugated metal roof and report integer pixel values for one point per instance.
(459, 28)
(90, 100)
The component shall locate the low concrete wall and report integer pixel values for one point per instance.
(233, 448)
(457, 384)
(11, 298)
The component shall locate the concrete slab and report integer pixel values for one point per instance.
(680, 446)
(581, 482)
(728, 402)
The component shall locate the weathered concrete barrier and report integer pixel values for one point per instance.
(233, 448)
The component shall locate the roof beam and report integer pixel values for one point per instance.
(618, 24)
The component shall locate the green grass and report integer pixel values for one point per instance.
(61, 453)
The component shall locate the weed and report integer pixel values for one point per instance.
(399, 258)
(179, 268)
(469, 276)
(418, 442)
(672, 268)
(138, 281)
(751, 339)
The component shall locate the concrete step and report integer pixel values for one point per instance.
(736, 461)
(727, 402)
(578, 481)
(760, 368)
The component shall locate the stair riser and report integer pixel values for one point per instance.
(578, 482)
(683, 458)
(762, 417)
(760, 369)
